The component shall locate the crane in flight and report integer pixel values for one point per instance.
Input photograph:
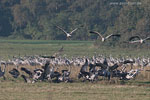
(137, 39)
(105, 38)
(68, 34)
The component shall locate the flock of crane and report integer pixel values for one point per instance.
(133, 39)
(91, 69)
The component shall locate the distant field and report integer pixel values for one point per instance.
(9, 48)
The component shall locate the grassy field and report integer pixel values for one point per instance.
(72, 91)
(16, 89)
(11, 48)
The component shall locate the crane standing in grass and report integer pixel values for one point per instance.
(2, 72)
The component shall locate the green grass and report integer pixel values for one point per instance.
(43, 41)
(9, 48)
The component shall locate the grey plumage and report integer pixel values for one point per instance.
(137, 39)
(14, 72)
(107, 37)
(68, 34)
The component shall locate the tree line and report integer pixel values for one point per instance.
(37, 19)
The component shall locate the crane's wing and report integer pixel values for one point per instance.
(134, 41)
(128, 61)
(148, 38)
(27, 71)
(97, 33)
(117, 35)
(103, 66)
(115, 66)
(62, 29)
(27, 80)
(61, 49)
(58, 52)
(108, 36)
(14, 72)
(73, 30)
(134, 37)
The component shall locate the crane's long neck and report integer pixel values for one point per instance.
(4, 68)
(0, 67)
(69, 68)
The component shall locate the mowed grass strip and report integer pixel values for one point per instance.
(71, 91)
(10, 48)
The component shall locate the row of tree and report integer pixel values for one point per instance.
(37, 19)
